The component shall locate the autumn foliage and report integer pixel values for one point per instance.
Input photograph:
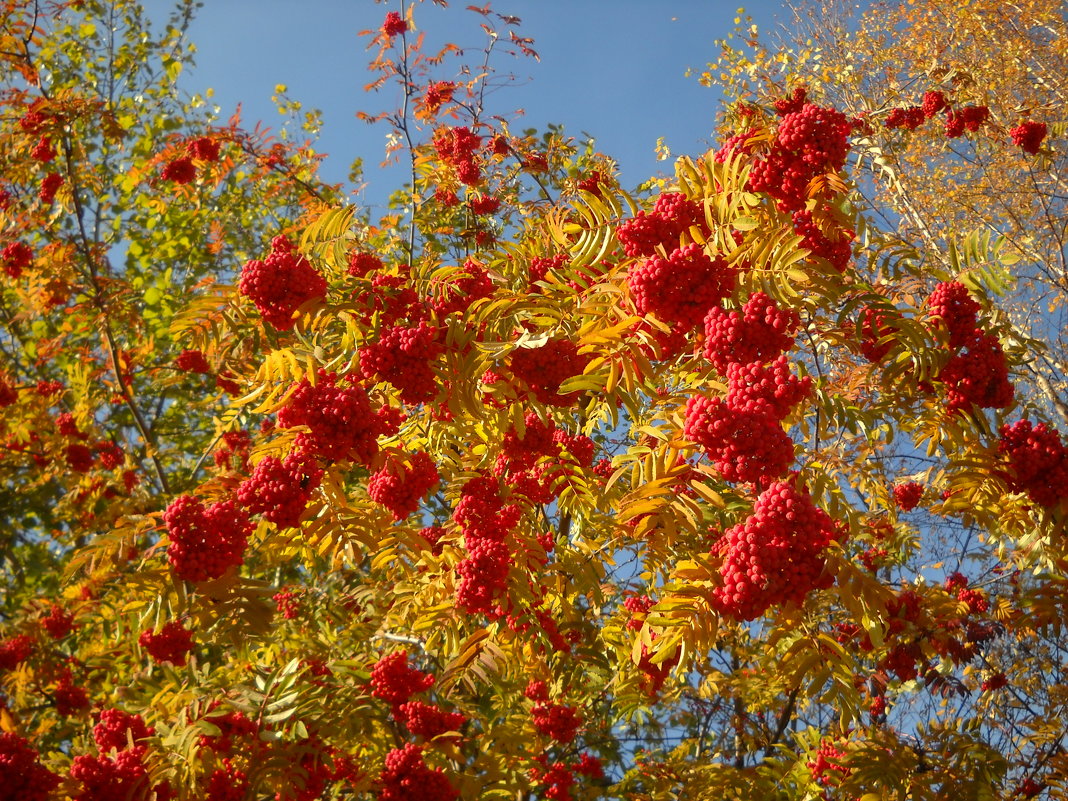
(750, 482)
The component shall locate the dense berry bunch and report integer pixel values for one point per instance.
(16, 257)
(70, 698)
(22, 776)
(837, 248)
(545, 368)
(281, 283)
(427, 720)
(910, 118)
(828, 761)
(557, 721)
(362, 262)
(908, 495)
(8, 394)
(765, 388)
(486, 522)
(58, 623)
(683, 287)
(874, 326)
(580, 447)
(192, 361)
(400, 487)
(759, 332)
(204, 148)
(395, 682)
(458, 147)
(109, 454)
(933, 102)
(977, 375)
(406, 777)
(463, 290)
(484, 204)
(394, 24)
(809, 142)
(79, 457)
(776, 555)
(287, 602)
(15, 650)
(744, 446)
(953, 308)
(50, 184)
(226, 783)
(112, 779)
(181, 171)
(171, 644)
(115, 728)
(966, 118)
(792, 103)
(279, 489)
(672, 214)
(523, 452)
(403, 357)
(1028, 136)
(1038, 461)
(205, 542)
(341, 424)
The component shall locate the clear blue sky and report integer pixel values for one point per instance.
(610, 68)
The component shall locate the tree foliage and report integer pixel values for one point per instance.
(745, 483)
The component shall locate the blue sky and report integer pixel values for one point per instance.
(610, 68)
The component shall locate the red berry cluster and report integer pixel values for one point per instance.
(910, 118)
(180, 171)
(458, 147)
(966, 118)
(809, 142)
(545, 368)
(22, 776)
(15, 650)
(403, 357)
(776, 555)
(520, 453)
(288, 603)
(875, 324)
(58, 623)
(463, 290)
(50, 184)
(484, 204)
(8, 394)
(743, 434)
(828, 761)
(672, 215)
(171, 644)
(426, 720)
(79, 457)
(908, 495)
(226, 783)
(115, 728)
(234, 444)
(683, 287)
(279, 489)
(192, 361)
(1028, 136)
(281, 283)
(791, 104)
(395, 682)
(976, 372)
(556, 721)
(400, 487)
(362, 262)
(759, 332)
(1038, 461)
(406, 776)
(203, 148)
(16, 257)
(70, 698)
(205, 542)
(394, 24)
(765, 388)
(486, 522)
(341, 424)
(836, 247)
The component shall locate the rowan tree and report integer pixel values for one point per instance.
(745, 483)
